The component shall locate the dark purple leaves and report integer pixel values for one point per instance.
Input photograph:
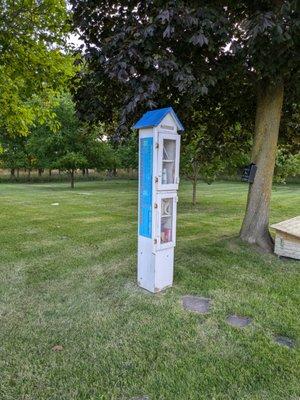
(122, 75)
(259, 24)
(151, 104)
(266, 21)
(199, 39)
(190, 20)
(164, 16)
(183, 80)
(173, 51)
(152, 88)
(133, 71)
(149, 31)
(168, 31)
(204, 90)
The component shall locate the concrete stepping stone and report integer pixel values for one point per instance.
(197, 304)
(285, 341)
(57, 347)
(238, 321)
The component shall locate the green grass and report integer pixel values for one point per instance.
(68, 277)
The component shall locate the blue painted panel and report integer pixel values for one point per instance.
(146, 167)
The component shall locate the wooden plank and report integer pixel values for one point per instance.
(288, 236)
(287, 248)
(291, 226)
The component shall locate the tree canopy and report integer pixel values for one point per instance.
(34, 63)
(161, 53)
(157, 52)
(170, 52)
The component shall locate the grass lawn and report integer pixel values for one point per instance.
(68, 277)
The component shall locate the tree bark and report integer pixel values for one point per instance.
(40, 171)
(194, 191)
(194, 177)
(18, 172)
(255, 227)
(50, 171)
(12, 173)
(72, 179)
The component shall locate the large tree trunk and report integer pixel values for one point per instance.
(255, 227)
(72, 179)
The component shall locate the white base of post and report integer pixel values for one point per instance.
(155, 269)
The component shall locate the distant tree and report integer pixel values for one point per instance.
(13, 153)
(212, 145)
(16, 154)
(98, 150)
(43, 143)
(128, 152)
(74, 145)
(51, 148)
(70, 162)
(48, 145)
(34, 63)
(195, 161)
(287, 164)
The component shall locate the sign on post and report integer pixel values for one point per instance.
(249, 173)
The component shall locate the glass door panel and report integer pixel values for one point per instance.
(166, 221)
(168, 161)
(165, 230)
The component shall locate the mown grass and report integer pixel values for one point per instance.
(68, 277)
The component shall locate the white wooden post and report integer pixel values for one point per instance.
(159, 149)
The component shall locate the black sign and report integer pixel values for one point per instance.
(249, 173)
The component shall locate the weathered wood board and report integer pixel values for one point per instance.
(287, 248)
(287, 241)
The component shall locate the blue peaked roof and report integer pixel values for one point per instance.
(154, 118)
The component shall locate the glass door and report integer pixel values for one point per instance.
(168, 161)
(166, 219)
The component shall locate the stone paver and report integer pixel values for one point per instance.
(285, 341)
(57, 347)
(238, 321)
(196, 304)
